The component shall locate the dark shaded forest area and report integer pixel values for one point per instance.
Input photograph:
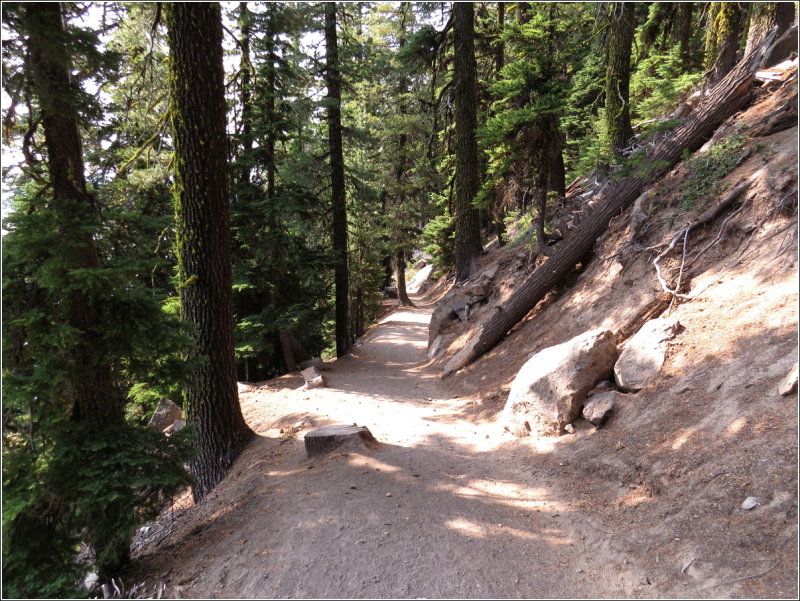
(196, 194)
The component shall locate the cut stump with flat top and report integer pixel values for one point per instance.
(325, 440)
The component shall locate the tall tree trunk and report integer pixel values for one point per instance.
(93, 395)
(730, 95)
(618, 75)
(497, 210)
(764, 17)
(203, 236)
(270, 34)
(722, 39)
(341, 274)
(467, 228)
(91, 387)
(402, 293)
(683, 33)
(245, 68)
(402, 159)
(500, 45)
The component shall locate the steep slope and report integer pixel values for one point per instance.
(668, 474)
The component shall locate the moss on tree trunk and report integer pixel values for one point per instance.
(196, 82)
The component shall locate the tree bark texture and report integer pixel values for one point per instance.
(467, 225)
(722, 39)
(500, 45)
(618, 75)
(402, 293)
(203, 236)
(766, 16)
(333, 80)
(245, 68)
(683, 33)
(92, 393)
(729, 96)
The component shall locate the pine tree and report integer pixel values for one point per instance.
(468, 242)
(766, 16)
(722, 39)
(203, 236)
(80, 323)
(338, 192)
(619, 42)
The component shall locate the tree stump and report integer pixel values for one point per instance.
(325, 440)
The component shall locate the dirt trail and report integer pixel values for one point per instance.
(442, 508)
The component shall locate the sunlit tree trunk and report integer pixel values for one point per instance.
(722, 39)
(764, 17)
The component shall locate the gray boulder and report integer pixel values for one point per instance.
(549, 390)
(599, 407)
(644, 353)
(165, 415)
(420, 283)
(439, 346)
(461, 302)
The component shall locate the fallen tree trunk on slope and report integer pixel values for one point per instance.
(730, 95)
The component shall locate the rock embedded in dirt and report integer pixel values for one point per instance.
(644, 354)
(750, 503)
(330, 438)
(789, 384)
(165, 415)
(458, 304)
(599, 407)
(439, 346)
(461, 357)
(313, 378)
(549, 390)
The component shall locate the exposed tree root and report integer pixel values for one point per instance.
(707, 217)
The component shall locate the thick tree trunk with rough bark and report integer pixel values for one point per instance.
(93, 395)
(203, 236)
(467, 224)
(729, 96)
(618, 75)
(333, 80)
(764, 18)
(722, 39)
(683, 33)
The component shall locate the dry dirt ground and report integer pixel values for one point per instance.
(450, 506)
(445, 506)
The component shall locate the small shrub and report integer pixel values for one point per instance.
(706, 170)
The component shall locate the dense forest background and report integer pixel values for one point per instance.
(194, 193)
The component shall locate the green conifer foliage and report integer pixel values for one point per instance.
(80, 332)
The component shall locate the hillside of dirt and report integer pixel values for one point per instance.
(449, 505)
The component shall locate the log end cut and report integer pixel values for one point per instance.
(325, 440)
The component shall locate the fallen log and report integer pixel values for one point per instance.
(730, 95)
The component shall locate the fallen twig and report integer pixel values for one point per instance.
(756, 575)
